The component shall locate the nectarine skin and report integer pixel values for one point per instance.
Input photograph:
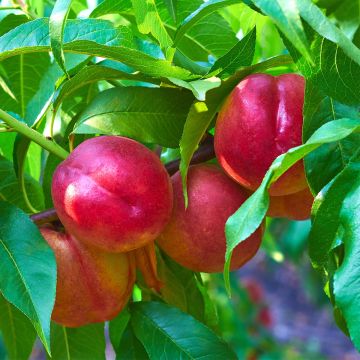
(195, 237)
(113, 193)
(260, 120)
(92, 285)
(295, 206)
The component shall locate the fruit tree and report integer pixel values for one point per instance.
(148, 146)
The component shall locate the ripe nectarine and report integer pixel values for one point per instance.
(195, 237)
(92, 285)
(260, 120)
(112, 193)
(295, 206)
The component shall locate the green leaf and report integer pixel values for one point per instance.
(10, 189)
(164, 332)
(91, 74)
(86, 342)
(117, 327)
(150, 115)
(21, 147)
(286, 16)
(92, 37)
(172, 9)
(182, 289)
(149, 22)
(202, 11)
(198, 87)
(337, 218)
(328, 160)
(24, 281)
(337, 81)
(123, 339)
(111, 7)
(325, 27)
(57, 22)
(250, 215)
(241, 54)
(24, 75)
(211, 35)
(39, 104)
(13, 325)
(130, 347)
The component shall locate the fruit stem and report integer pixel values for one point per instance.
(33, 135)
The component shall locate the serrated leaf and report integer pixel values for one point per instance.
(13, 325)
(164, 331)
(89, 36)
(57, 22)
(86, 342)
(250, 215)
(241, 54)
(26, 282)
(151, 115)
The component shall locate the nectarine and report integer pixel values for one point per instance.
(295, 206)
(92, 285)
(113, 193)
(260, 120)
(195, 236)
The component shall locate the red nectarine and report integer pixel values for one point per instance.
(195, 237)
(261, 119)
(112, 193)
(92, 285)
(295, 206)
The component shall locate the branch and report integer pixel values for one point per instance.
(204, 153)
(33, 135)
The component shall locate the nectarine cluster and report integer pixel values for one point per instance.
(115, 198)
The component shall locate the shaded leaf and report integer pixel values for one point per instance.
(10, 189)
(85, 342)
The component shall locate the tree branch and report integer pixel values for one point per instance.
(204, 153)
